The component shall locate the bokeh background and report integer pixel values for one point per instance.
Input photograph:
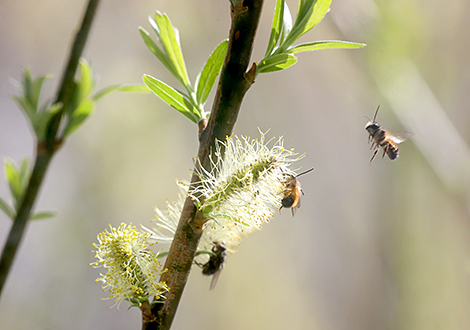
(385, 246)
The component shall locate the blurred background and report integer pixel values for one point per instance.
(385, 246)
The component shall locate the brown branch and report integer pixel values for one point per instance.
(234, 83)
(45, 149)
(66, 89)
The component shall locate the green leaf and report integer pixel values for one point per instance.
(316, 13)
(36, 90)
(209, 72)
(105, 91)
(27, 84)
(74, 101)
(43, 215)
(157, 51)
(276, 27)
(84, 81)
(311, 12)
(287, 24)
(28, 87)
(26, 106)
(135, 89)
(172, 97)
(14, 180)
(226, 217)
(326, 44)
(24, 172)
(9, 211)
(43, 118)
(78, 116)
(30, 91)
(276, 63)
(162, 255)
(172, 48)
(154, 25)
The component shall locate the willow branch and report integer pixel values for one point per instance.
(234, 82)
(45, 149)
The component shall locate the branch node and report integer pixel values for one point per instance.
(197, 224)
(239, 9)
(147, 315)
(202, 126)
(251, 74)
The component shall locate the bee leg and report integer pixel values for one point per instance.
(199, 264)
(386, 149)
(373, 156)
(374, 145)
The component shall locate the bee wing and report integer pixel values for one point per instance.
(215, 277)
(399, 137)
(294, 209)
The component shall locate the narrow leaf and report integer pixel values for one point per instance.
(171, 96)
(154, 25)
(162, 255)
(7, 209)
(43, 118)
(26, 106)
(304, 6)
(310, 14)
(276, 63)
(317, 13)
(157, 51)
(172, 48)
(85, 81)
(36, 90)
(75, 98)
(43, 215)
(79, 115)
(135, 89)
(28, 87)
(276, 26)
(24, 173)
(210, 71)
(105, 91)
(287, 24)
(327, 44)
(14, 181)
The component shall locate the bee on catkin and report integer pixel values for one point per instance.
(293, 192)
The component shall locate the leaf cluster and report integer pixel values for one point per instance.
(76, 111)
(83, 103)
(279, 55)
(284, 33)
(18, 178)
(167, 49)
(79, 108)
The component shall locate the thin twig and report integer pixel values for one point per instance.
(45, 149)
(234, 83)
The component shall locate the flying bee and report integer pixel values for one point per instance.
(216, 263)
(381, 138)
(292, 192)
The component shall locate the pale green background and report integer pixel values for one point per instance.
(375, 247)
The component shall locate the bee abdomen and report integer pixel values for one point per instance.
(288, 201)
(392, 151)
